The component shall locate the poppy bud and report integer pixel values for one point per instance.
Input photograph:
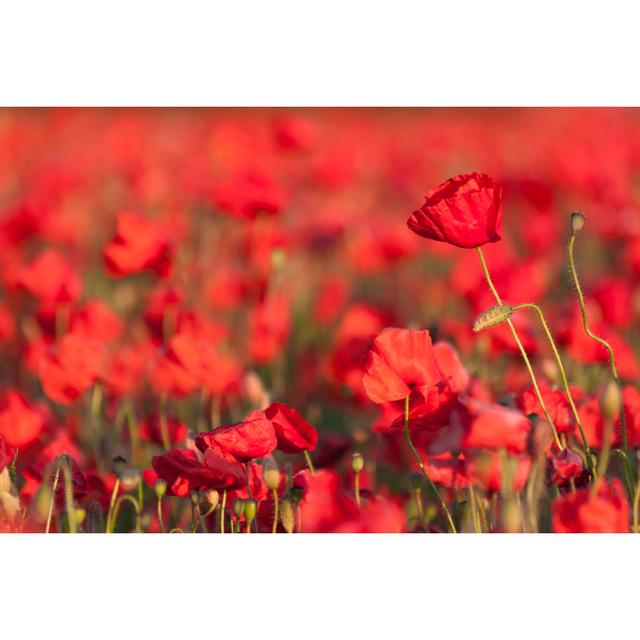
(81, 514)
(212, 497)
(492, 317)
(610, 401)
(130, 479)
(577, 221)
(160, 488)
(297, 493)
(118, 464)
(238, 507)
(95, 518)
(287, 516)
(40, 503)
(271, 474)
(250, 508)
(357, 463)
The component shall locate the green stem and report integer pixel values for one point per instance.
(593, 336)
(223, 506)
(416, 455)
(160, 515)
(357, 487)
(307, 457)
(275, 511)
(68, 496)
(53, 497)
(112, 502)
(563, 374)
(525, 357)
(116, 511)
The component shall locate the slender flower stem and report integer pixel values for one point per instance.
(53, 498)
(525, 357)
(68, 496)
(593, 336)
(356, 487)
(160, 515)
(275, 511)
(416, 455)
(112, 503)
(563, 374)
(307, 457)
(223, 506)
(116, 511)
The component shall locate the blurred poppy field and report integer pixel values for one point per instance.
(319, 320)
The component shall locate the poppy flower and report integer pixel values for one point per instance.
(51, 278)
(400, 361)
(581, 512)
(465, 211)
(70, 367)
(255, 437)
(20, 423)
(293, 432)
(139, 244)
(183, 472)
(150, 429)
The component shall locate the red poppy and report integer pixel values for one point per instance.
(20, 423)
(400, 361)
(151, 429)
(465, 211)
(581, 512)
(139, 244)
(70, 367)
(293, 432)
(51, 278)
(253, 438)
(183, 472)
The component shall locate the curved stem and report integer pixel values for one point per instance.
(160, 515)
(525, 357)
(112, 502)
(275, 511)
(563, 374)
(357, 488)
(116, 511)
(416, 455)
(593, 336)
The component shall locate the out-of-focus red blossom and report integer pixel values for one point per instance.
(269, 326)
(96, 321)
(151, 429)
(377, 515)
(189, 364)
(139, 244)
(183, 472)
(255, 437)
(70, 367)
(401, 361)
(247, 195)
(51, 278)
(20, 423)
(607, 511)
(124, 373)
(614, 297)
(465, 211)
(6, 453)
(556, 403)
(563, 465)
(486, 471)
(7, 324)
(293, 432)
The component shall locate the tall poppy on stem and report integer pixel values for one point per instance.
(466, 211)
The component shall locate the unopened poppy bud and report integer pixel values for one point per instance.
(250, 508)
(130, 479)
(238, 507)
(118, 465)
(95, 514)
(212, 497)
(297, 493)
(40, 503)
(271, 474)
(287, 515)
(357, 462)
(577, 221)
(610, 401)
(81, 514)
(492, 317)
(160, 488)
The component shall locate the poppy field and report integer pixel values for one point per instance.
(319, 320)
